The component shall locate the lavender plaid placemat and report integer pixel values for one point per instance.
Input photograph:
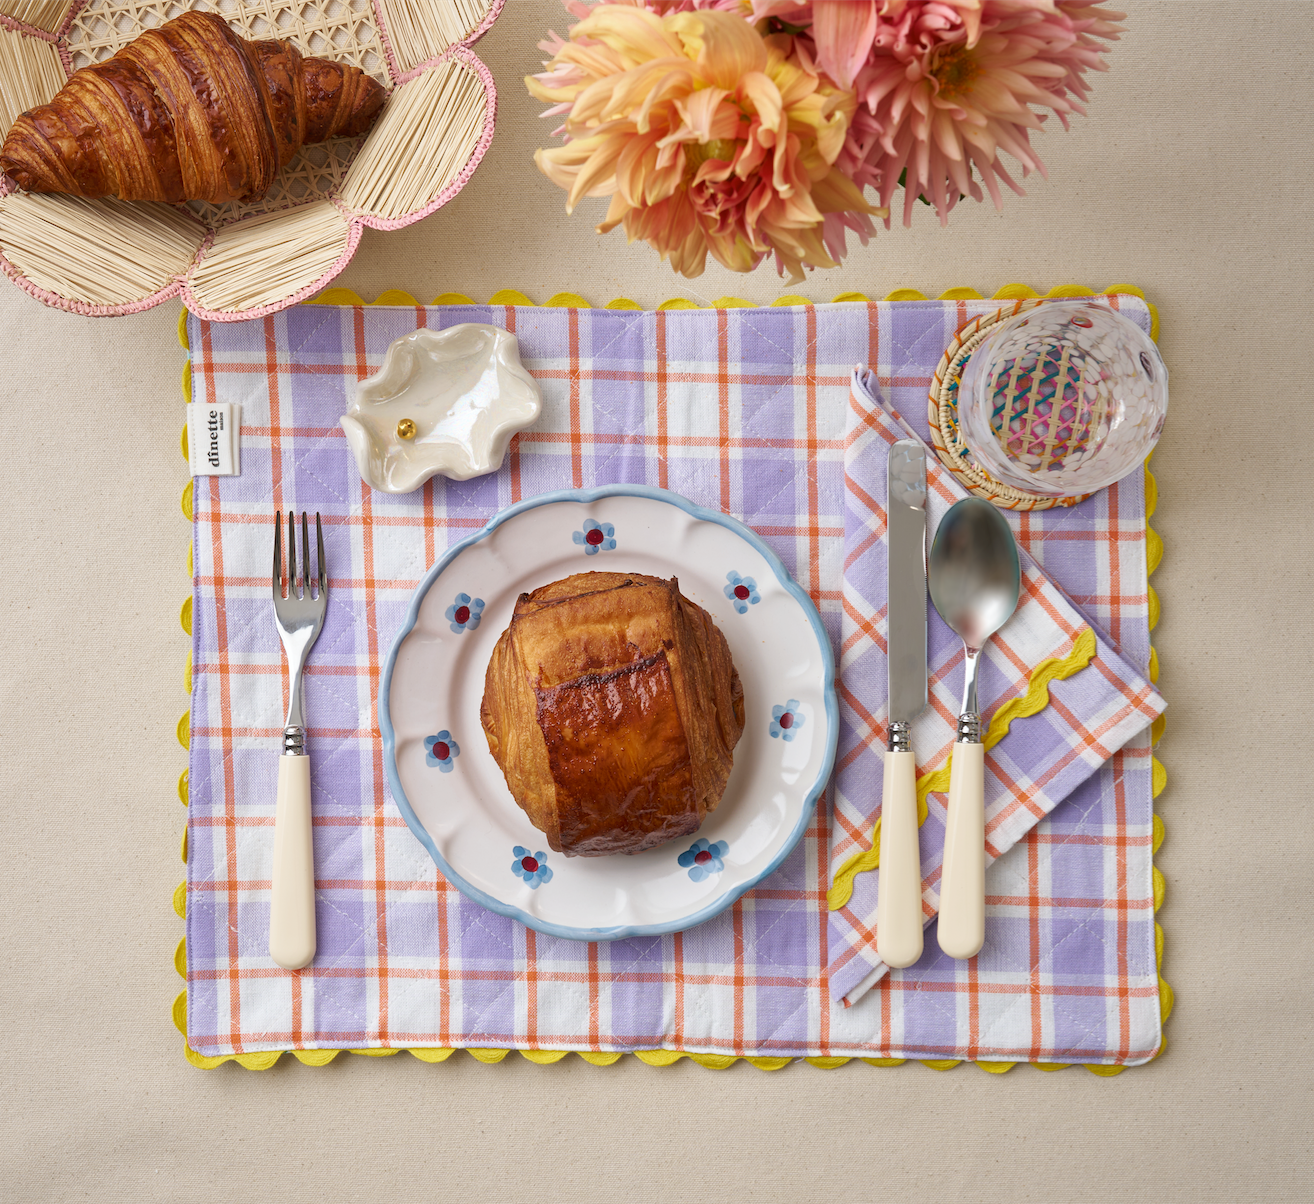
(744, 410)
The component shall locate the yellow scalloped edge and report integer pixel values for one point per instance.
(567, 300)
(663, 1057)
(1035, 700)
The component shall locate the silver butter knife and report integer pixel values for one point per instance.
(899, 889)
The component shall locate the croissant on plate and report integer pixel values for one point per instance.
(613, 708)
(187, 112)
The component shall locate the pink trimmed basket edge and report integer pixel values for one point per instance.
(180, 285)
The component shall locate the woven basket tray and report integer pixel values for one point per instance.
(243, 260)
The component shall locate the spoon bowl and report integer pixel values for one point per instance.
(974, 576)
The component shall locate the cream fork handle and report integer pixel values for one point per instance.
(899, 888)
(292, 899)
(961, 931)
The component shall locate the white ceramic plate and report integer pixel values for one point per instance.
(452, 792)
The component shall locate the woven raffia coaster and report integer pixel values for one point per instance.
(946, 437)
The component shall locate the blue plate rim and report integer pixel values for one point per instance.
(589, 496)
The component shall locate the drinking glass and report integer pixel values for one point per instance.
(1063, 399)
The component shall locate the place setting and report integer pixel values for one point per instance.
(743, 916)
(703, 681)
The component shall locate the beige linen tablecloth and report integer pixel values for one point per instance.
(1190, 180)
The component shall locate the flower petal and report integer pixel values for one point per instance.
(725, 47)
(844, 31)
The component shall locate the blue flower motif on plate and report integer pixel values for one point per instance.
(742, 591)
(596, 537)
(532, 867)
(704, 858)
(441, 750)
(465, 612)
(786, 720)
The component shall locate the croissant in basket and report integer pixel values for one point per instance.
(613, 708)
(187, 112)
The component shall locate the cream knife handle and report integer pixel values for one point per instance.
(962, 883)
(292, 899)
(899, 889)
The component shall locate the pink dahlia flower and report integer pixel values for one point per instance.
(944, 86)
(706, 136)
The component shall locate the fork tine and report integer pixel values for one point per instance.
(278, 556)
(291, 556)
(305, 558)
(319, 547)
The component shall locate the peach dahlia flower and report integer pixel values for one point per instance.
(707, 137)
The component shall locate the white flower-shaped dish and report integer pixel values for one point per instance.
(445, 401)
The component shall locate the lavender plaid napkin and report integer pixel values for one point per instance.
(744, 410)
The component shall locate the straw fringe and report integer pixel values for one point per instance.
(126, 250)
(419, 32)
(30, 74)
(427, 134)
(258, 262)
(408, 166)
(46, 15)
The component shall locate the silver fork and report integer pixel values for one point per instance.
(299, 617)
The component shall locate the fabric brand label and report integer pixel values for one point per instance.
(214, 443)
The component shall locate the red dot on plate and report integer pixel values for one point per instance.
(703, 858)
(462, 614)
(786, 720)
(742, 592)
(595, 536)
(442, 750)
(529, 864)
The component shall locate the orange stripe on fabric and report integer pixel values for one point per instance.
(677, 955)
(1115, 565)
(1124, 998)
(576, 444)
(513, 463)
(865, 626)
(1057, 901)
(887, 1010)
(225, 691)
(513, 460)
(594, 996)
(814, 506)
(823, 921)
(853, 835)
(444, 895)
(385, 520)
(723, 401)
(1033, 933)
(767, 379)
(872, 537)
(430, 542)
(296, 1009)
(531, 985)
(973, 1012)
(376, 751)
(739, 979)
(663, 445)
(426, 495)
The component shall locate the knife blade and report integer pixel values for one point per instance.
(899, 890)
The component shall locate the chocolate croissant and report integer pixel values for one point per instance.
(613, 708)
(187, 112)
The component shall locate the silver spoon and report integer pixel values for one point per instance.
(974, 577)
